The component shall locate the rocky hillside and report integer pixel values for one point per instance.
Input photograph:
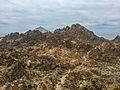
(71, 58)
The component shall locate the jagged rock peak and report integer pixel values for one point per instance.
(41, 29)
(78, 31)
(117, 38)
(73, 26)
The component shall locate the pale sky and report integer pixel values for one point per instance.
(100, 16)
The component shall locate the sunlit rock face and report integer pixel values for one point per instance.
(71, 58)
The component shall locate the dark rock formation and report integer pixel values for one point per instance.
(117, 39)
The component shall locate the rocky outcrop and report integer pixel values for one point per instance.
(71, 58)
(41, 29)
(117, 39)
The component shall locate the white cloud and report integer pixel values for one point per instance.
(17, 14)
